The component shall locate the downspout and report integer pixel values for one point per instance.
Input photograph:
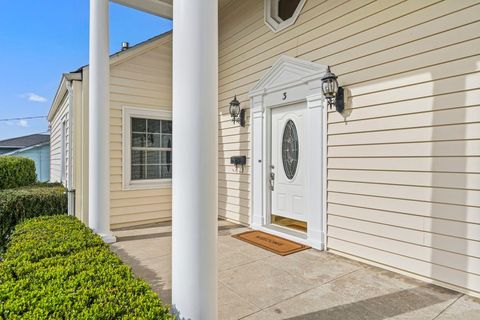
(70, 189)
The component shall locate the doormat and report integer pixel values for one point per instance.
(270, 242)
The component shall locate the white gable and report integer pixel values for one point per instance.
(287, 71)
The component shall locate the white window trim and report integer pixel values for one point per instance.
(133, 112)
(272, 22)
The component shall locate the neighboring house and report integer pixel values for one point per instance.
(140, 134)
(393, 180)
(35, 147)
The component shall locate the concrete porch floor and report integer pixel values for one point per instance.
(257, 284)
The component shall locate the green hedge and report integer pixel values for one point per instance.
(16, 172)
(19, 204)
(56, 268)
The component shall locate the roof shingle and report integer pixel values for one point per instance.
(25, 141)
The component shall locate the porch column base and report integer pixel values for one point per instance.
(108, 237)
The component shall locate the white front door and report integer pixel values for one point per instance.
(288, 161)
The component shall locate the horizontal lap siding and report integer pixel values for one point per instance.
(404, 165)
(56, 140)
(143, 81)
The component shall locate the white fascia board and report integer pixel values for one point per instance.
(62, 91)
(58, 98)
(140, 48)
(26, 149)
(159, 8)
(73, 76)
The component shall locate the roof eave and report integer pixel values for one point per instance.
(26, 148)
(115, 59)
(62, 91)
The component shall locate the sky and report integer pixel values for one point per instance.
(40, 40)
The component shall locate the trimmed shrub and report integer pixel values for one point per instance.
(16, 172)
(56, 268)
(35, 240)
(19, 204)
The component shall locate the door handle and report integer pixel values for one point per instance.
(272, 181)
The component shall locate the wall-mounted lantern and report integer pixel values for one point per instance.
(332, 92)
(236, 112)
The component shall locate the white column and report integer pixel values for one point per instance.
(98, 123)
(195, 131)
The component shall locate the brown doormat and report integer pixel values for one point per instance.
(270, 242)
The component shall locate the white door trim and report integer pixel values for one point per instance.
(290, 81)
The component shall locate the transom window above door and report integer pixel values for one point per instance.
(147, 150)
(280, 14)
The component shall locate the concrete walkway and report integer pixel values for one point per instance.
(257, 284)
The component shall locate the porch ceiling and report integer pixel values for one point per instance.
(161, 8)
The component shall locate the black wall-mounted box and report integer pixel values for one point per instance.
(238, 160)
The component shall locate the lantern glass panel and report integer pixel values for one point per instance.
(234, 110)
(330, 87)
(333, 86)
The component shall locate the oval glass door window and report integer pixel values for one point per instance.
(290, 149)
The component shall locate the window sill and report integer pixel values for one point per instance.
(148, 186)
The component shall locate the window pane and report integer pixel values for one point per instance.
(153, 157)
(290, 149)
(153, 140)
(166, 140)
(286, 8)
(166, 126)
(139, 125)
(153, 172)
(138, 157)
(166, 171)
(138, 140)
(154, 126)
(166, 157)
(138, 172)
(146, 135)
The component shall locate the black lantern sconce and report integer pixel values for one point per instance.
(332, 92)
(236, 112)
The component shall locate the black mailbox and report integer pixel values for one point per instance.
(238, 160)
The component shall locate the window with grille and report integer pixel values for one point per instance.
(147, 144)
(151, 149)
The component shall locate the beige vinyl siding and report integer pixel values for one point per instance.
(80, 146)
(143, 81)
(56, 127)
(404, 165)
